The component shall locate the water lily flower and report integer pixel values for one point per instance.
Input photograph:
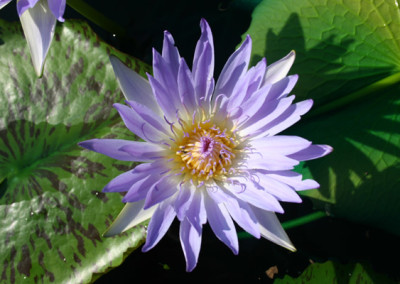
(38, 19)
(211, 152)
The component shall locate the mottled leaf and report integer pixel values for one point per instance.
(52, 210)
(348, 61)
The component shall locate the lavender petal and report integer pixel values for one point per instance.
(134, 87)
(312, 152)
(23, 5)
(159, 224)
(203, 63)
(234, 69)
(190, 242)
(111, 148)
(131, 215)
(57, 7)
(4, 2)
(221, 223)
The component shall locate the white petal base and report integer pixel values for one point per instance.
(38, 24)
(131, 215)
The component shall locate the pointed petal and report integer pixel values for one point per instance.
(203, 64)
(247, 87)
(191, 243)
(135, 87)
(269, 112)
(126, 181)
(237, 95)
(221, 223)
(197, 214)
(242, 213)
(183, 200)
(278, 189)
(164, 188)
(263, 96)
(234, 69)
(170, 105)
(159, 224)
(165, 74)
(150, 117)
(165, 86)
(256, 75)
(279, 145)
(271, 229)
(135, 123)
(186, 87)
(170, 53)
(4, 2)
(279, 69)
(139, 190)
(284, 121)
(253, 104)
(143, 151)
(238, 209)
(274, 162)
(57, 7)
(312, 152)
(38, 24)
(282, 88)
(247, 192)
(121, 182)
(131, 215)
(293, 179)
(112, 148)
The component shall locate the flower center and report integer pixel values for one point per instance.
(206, 151)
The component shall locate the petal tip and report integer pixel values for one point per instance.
(88, 144)
(109, 233)
(204, 24)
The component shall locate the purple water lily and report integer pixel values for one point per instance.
(211, 151)
(38, 19)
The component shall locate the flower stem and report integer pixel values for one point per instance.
(292, 223)
(303, 220)
(338, 103)
(96, 17)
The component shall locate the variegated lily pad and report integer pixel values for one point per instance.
(52, 210)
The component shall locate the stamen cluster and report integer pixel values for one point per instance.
(205, 151)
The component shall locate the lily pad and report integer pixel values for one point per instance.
(52, 210)
(336, 272)
(348, 61)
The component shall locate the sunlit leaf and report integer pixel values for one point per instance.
(348, 61)
(341, 46)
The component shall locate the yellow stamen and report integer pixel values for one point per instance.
(204, 151)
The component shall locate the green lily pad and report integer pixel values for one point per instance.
(52, 210)
(341, 46)
(336, 272)
(348, 61)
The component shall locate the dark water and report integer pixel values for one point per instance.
(319, 241)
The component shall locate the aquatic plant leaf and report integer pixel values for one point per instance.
(348, 61)
(52, 210)
(341, 46)
(336, 272)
